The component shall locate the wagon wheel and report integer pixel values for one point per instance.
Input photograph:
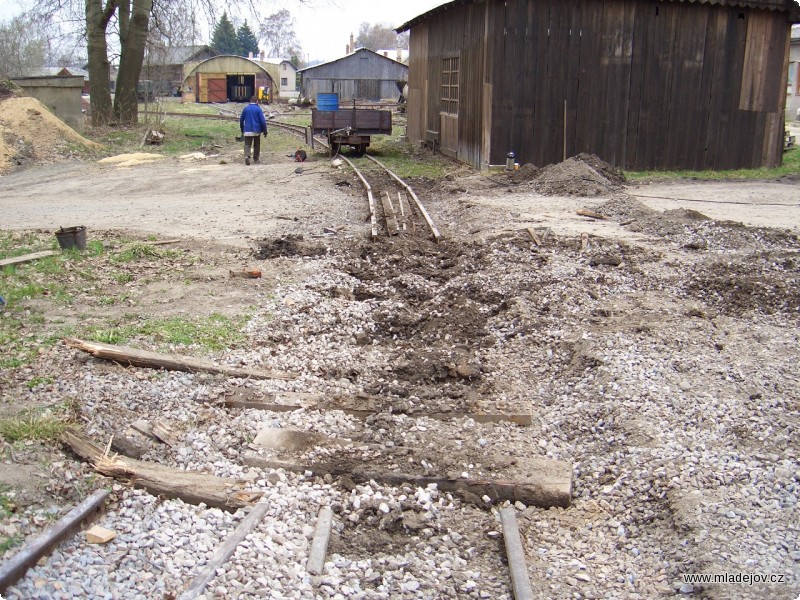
(361, 149)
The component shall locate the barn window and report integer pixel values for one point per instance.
(450, 85)
(284, 81)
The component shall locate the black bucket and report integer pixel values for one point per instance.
(72, 237)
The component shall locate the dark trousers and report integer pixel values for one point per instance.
(255, 141)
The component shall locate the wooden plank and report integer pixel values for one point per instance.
(224, 552)
(389, 215)
(15, 568)
(515, 553)
(157, 431)
(402, 205)
(319, 545)
(190, 486)
(18, 260)
(363, 413)
(170, 362)
(534, 482)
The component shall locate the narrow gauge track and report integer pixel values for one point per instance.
(254, 536)
(397, 205)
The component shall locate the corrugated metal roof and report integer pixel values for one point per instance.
(330, 62)
(789, 6)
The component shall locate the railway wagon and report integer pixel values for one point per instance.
(351, 127)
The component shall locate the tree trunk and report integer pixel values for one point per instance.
(97, 18)
(134, 19)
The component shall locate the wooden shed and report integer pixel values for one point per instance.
(644, 84)
(228, 79)
(164, 66)
(362, 75)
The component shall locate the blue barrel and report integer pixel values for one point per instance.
(328, 101)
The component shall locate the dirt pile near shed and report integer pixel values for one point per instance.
(582, 175)
(30, 133)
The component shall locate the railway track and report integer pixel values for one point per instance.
(394, 207)
(320, 544)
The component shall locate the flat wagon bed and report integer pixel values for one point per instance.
(351, 126)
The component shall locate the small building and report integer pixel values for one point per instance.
(793, 83)
(164, 66)
(362, 75)
(228, 79)
(287, 76)
(60, 93)
(643, 84)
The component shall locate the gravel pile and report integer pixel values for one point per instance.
(678, 412)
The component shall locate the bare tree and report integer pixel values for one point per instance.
(380, 37)
(280, 39)
(22, 48)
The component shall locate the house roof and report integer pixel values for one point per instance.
(274, 60)
(330, 62)
(789, 6)
(179, 55)
(57, 71)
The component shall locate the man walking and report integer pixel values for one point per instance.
(252, 123)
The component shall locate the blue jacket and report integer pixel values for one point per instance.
(252, 120)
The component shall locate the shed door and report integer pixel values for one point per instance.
(368, 89)
(217, 90)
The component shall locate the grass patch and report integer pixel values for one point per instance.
(33, 426)
(185, 134)
(38, 380)
(215, 332)
(140, 250)
(790, 166)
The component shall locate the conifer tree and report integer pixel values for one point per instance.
(224, 39)
(248, 42)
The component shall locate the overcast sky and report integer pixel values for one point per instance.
(323, 26)
(324, 29)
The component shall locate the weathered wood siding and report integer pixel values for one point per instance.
(642, 84)
(363, 75)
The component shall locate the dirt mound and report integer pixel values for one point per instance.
(526, 172)
(290, 245)
(30, 133)
(624, 208)
(583, 175)
(610, 172)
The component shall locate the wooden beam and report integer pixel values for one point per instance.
(591, 214)
(536, 482)
(388, 213)
(362, 413)
(18, 260)
(190, 486)
(401, 204)
(516, 555)
(319, 545)
(224, 552)
(534, 236)
(170, 362)
(15, 568)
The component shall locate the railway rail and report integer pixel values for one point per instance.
(393, 207)
(253, 529)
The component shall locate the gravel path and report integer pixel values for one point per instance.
(668, 378)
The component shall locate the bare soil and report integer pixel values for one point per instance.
(228, 216)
